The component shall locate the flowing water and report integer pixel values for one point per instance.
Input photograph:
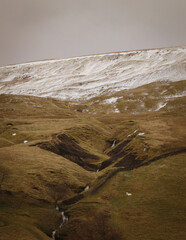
(64, 219)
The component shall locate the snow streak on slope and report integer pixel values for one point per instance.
(88, 76)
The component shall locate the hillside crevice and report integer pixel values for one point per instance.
(68, 148)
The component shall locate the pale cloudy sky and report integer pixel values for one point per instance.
(42, 29)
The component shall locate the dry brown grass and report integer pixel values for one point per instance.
(32, 180)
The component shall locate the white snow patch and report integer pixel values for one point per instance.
(25, 141)
(116, 110)
(85, 110)
(164, 92)
(160, 106)
(110, 100)
(14, 134)
(141, 133)
(128, 194)
(183, 94)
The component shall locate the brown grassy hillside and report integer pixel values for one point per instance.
(134, 143)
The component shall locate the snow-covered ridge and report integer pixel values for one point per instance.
(88, 76)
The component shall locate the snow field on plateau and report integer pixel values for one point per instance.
(85, 77)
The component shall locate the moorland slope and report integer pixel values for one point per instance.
(109, 164)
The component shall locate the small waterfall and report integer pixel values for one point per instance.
(86, 188)
(97, 170)
(113, 144)
(135, 131)
(132, 133)
(57, 208)
(60, 226)
(54, 234)
(64, 218)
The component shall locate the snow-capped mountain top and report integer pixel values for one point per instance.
(89, 76)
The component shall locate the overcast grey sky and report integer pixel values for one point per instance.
(42, 29)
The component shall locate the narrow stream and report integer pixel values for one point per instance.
(64, 219)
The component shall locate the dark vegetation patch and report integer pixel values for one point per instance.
(109, 144)
(129, 162)
(73, 200)
(107, 163)
(79, 189)
(162, 156)
(67, 147)
(117, 150)
(115, 154)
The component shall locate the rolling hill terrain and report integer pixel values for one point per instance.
(94, 147)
